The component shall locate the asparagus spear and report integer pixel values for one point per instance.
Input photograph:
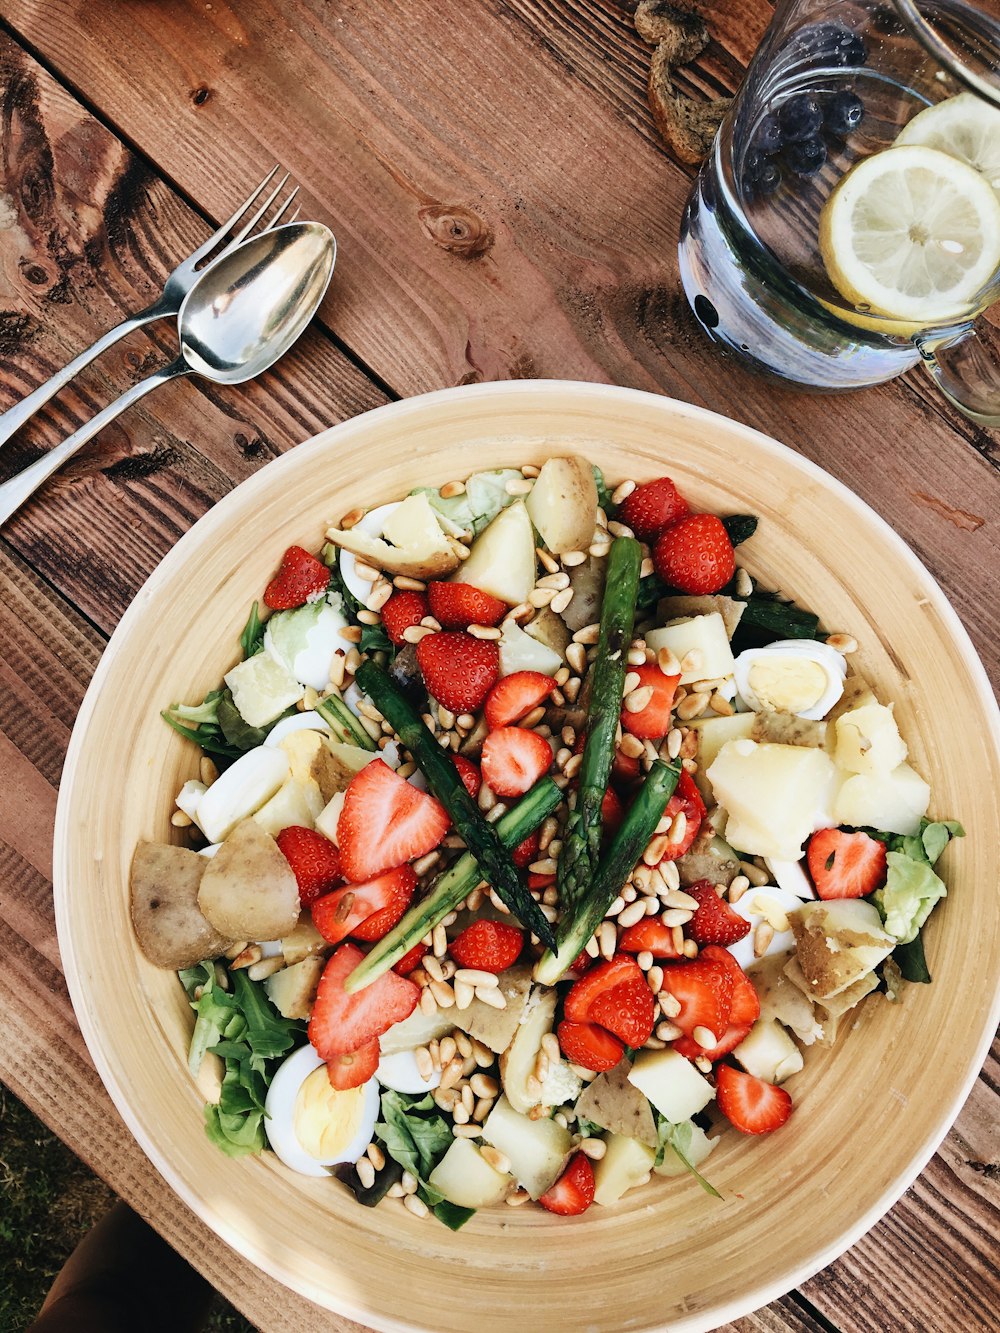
(454, 885)
(495, 863)
(344, 724)
(627, 847)
(582, 838)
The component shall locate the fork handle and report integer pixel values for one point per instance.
(15, 417)
(21, 485)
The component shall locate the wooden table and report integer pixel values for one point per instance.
(504, 209)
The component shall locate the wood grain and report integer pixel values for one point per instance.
(504, 209)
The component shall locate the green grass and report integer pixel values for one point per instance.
(48, 1201)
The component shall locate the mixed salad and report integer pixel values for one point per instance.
(534, 843)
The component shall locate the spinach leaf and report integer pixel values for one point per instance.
(739, 527)
(415, 1140)
(651, 589)
(603, 494)
(252, 638)
(375, 640)
(911, 960)
(452, 1215)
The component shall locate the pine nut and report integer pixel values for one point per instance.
(632, 914)
(517, 1196)
(557, 580)
(744, 583)
(368, 617)
(843, 643)
(366, 1172)
(498, 1161)
(546, 560)
(593, 1148)
(607, 936)
(180, 820)
(439, 941)
(540, 597)
(621, 491)
(266, 967)
(428, 1004)
(410, 585)
(738, 887)
(654, 978)
(667, 1031)
(599, 550)
(638, 699)
(207, 770)
(516, 487)
(645, 960)
(678, 829)
(653, 854)
(670, 874)
(688, 947)
(452, 488)
(573, 765)
(756, 876)
(720, 705)
(705, 1037)
(668, 663)
(674, 739)
(409, 1182)
(691, 706)
(367, 573)
(467, 1131)
(562, 600)
(415, 1206)
(646, 568)
(353, 659)
(491, 995)
(762, 937)
(443, 994)
(586, 636)
(631, 682)
(676, 916)
(414, 633)
(677, 898)
(379, 596)
(485, 632)
(571, 559)
(474, 976)
(616, 907)
(464, 995)
(669, 1004)
(352, 633)
(247, 957)
(620, 529)
(692, 660)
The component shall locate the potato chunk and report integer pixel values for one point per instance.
(169, 925)
(247, 889)
(563, 504)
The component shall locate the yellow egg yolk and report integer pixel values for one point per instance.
(787, 685)
(326, 1120)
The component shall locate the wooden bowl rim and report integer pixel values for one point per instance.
(478, 396)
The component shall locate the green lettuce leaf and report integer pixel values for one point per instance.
(678, 1137)
(603, 494)
(252, 638)
(908, 896)
(416, 1140)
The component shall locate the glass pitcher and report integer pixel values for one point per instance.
(818, 251)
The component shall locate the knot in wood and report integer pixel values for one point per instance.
(456, 229)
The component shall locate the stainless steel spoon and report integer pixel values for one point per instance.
(242, 314)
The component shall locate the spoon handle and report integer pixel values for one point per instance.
(15, 417)
(21, 485)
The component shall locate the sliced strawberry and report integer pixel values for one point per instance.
(366, 911)
(341, 1023)
(402, 883)
(730, 1039)
(573, 1192)
(385, 821)
(845, 865)
(490, 946)
(704, 989)
(628, 1010)
(404, 610)
(299, 577)
(695, 554)
(459, 605)
(744, 1010)
(649, 935)
(612, 813)
(652, 507)
(581, 962)
(753, 1106)
(596, 980)
(625, 770)
(514, 759)
(588, 1045)
(653, 721)
(410, 961)
(686, 799)
(514, 696)
(353, 1068)
(540, 881)
(469, 773)
(714, 921)
(315, 861)
(526, 852)
(458, 669)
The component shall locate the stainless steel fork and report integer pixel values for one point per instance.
(169, 302)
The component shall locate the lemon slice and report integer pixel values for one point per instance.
(965, 127)
(913, 234)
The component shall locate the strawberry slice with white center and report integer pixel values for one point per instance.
(514, 759)
(385, 821)
(652, 721)
(753, 1106)
(366, 911)
(514, 696)
(573, 1192)
(342, 1024)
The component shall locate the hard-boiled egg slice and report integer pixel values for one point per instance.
(399, 1071)
(800, 676)
(312, 1126)
(305, 639)
(372, 525)
(789, 875)
(770, 904)
(241, 790)
(189, 798)
(305, 721)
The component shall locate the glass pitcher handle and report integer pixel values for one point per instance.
(966, 370)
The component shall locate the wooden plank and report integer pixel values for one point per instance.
(475, 246)
(92, 234)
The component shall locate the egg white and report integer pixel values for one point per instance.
(830, 662)
(279, 1121)
(783, 940)
(371, 525)
(304, 721)
(399, 1071)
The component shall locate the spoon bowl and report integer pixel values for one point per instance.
(242, 314)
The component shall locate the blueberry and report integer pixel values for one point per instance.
(767, 136)
(806, 156)
(831, 43)
(800, 117)
(843, 113)
(762, 175)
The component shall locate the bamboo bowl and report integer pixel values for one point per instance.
(667, 1256)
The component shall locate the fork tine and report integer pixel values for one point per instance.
(226, 227)
(248, 227)
(295, 215)
(282, 210)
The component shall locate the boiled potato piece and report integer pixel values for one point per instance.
(417, 1030)
(248, 891)
(776, 795)
(587, 582)
(563, 504)
(719, 865)
(837, 942)
(680, 608)
(241, 790)
(465, 1178)
(549, 629)
(495, 1028)
(787, 729)
(894, 801)
(712, 734)
(781, 999)
(857, 693)
(169, 925)
(413, 542)
(262, 689)
(705, 638)
(293, 803)
(536, 1149)
(699, 1148)
(615, 1104)
(304, 940)
(626, 1162)
(328, 819)
(768, 1052)
(517, 1063)
(671, 1083)
(868, 740)
(293, 989)
(519, 651)
(502, 559)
